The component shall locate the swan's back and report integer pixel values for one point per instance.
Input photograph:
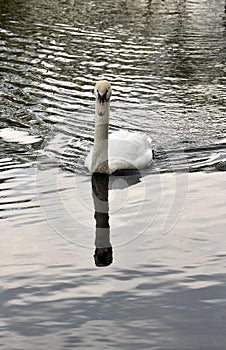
(129, 150)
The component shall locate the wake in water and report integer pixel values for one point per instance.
(209, 158)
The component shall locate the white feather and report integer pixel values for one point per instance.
(126, 150)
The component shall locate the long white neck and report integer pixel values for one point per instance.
(100, 150)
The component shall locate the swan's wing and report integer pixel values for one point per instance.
(129, 150)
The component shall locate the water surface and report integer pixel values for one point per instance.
(166, 286)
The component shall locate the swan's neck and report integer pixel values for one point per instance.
(100, 150)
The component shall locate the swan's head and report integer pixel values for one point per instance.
(102, 92)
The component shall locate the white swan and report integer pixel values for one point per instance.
(119, 150)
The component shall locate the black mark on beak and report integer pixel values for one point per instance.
(102, 98)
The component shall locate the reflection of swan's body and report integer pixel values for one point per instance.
(123, 149)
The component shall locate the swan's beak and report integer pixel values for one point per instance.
(101, 104)
(101, 108)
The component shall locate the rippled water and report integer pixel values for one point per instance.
(166, 286)
(168, 76)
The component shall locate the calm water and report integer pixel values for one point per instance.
(166, 286)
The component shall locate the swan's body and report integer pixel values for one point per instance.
(120, 149)
(126, 150)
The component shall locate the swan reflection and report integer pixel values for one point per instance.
(103, 252)
(101, 183)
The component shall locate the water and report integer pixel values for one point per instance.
(165, 288)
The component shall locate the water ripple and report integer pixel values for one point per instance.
(166, 62)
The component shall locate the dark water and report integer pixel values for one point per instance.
(166, 286)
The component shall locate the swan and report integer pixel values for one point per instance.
(119, 150)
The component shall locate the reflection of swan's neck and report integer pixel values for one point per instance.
(100, 150)
(100, 200)
(102, 239)
(103, 251)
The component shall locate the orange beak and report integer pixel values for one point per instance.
(101, 107)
